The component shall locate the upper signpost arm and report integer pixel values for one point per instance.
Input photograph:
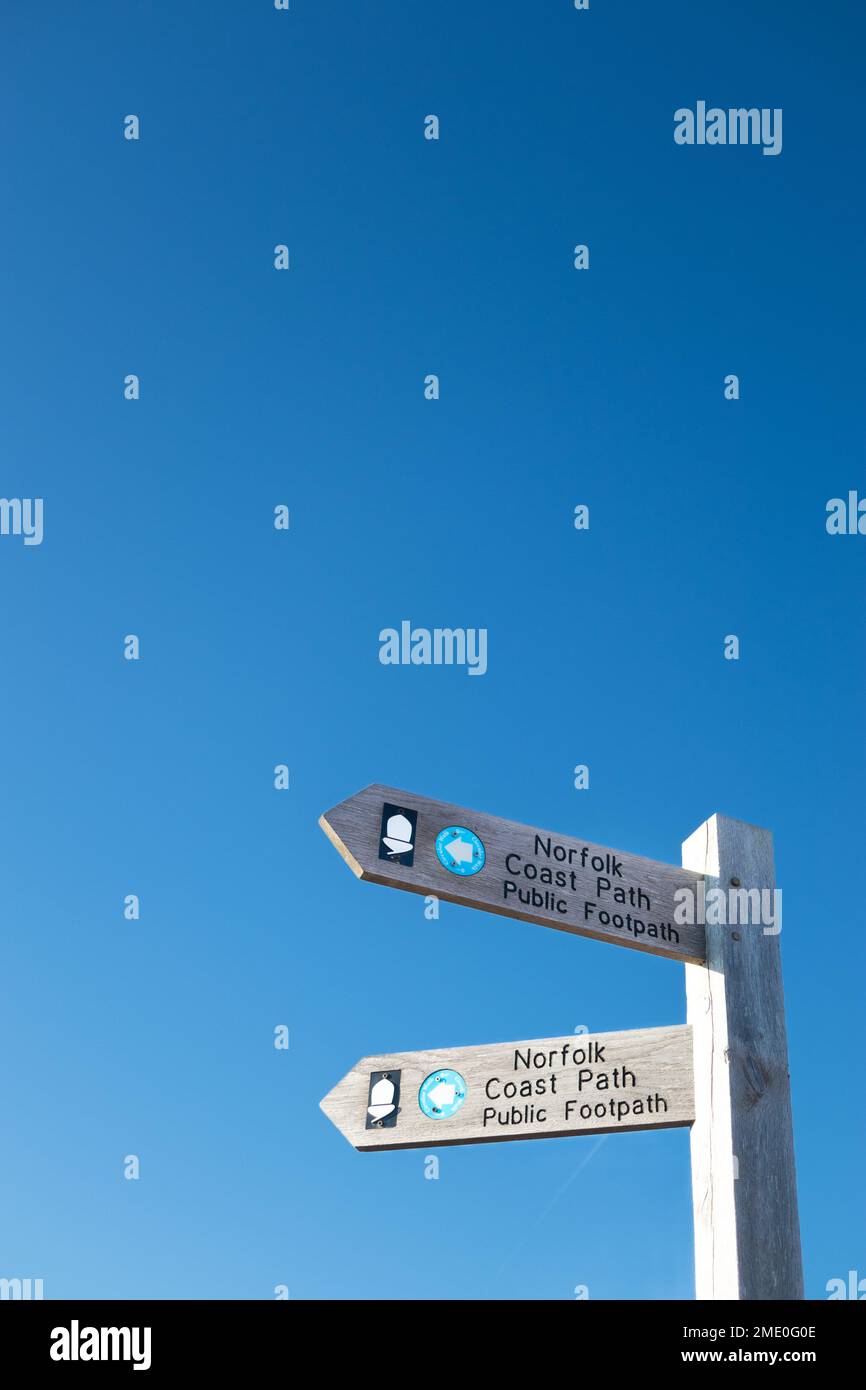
(747, 1233)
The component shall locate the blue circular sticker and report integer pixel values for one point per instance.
(442, 1094)
(460, 851)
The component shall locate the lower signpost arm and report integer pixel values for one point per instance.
(747, 1232)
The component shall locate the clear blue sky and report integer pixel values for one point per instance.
(305, 388)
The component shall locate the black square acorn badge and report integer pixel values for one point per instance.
(397, 835)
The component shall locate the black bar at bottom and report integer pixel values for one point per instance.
(213, 1339)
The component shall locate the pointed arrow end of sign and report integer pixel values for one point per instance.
(334, 1105)
(340, 846)
(326, 1105)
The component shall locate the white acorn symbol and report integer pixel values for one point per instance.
(381, 1099)
(399, 836)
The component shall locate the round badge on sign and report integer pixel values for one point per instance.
(442, 1094)
(460, 851)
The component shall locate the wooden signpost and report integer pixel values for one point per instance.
(517, 871)
(744, 1188)
(725, 1073)
(546, 1087)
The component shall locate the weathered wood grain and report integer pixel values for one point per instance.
(354, 828)
(747, 1233)
(639, 1066)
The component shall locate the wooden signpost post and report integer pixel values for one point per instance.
(725, 1073)
(744, 1189)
